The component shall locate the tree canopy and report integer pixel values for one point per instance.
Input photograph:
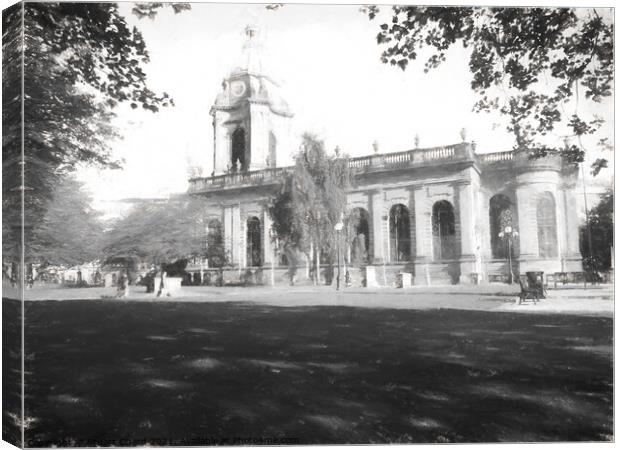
(80, 60)
(312, 201)
(597, 235)
(70, 232)
(539, 67)
(159, 231)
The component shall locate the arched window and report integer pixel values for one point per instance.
(215, 244)
(253, 242)
(360, 237)
(444, 231)
(547, 227)
(501, 215)
(273, 143)
(238, 150)
(400, 233)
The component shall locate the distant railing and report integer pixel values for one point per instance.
(438, 153)
(416, 157)
(489, 158)
(364, 161)
(408, 157)
(239, 178)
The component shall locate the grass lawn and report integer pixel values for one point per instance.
(100, 371)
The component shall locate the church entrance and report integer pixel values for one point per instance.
(360, 237)
(254, 250)
(400, 233)
(444, 231)
(238, 150)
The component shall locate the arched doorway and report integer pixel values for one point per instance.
(253, 242)
(360, 236)
(501, 216)
(547, 226)
(400, 233)
(444, 231)
(238, 150)
(215, 244)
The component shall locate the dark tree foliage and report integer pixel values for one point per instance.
(11, 130)
(150, 10)
(80, 60)
(312, 201)
(282, 211)
(159, 232)
(601, 234)
(527, 63)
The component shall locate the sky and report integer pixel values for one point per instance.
(327, 61)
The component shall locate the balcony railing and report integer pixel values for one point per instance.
(376, 162)
(256, 177)
(498, 157)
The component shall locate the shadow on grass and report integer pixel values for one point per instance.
(11, 371)
(170, 373)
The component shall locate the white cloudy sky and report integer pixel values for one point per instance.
(327, 59)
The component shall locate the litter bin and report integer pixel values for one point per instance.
(403, 280)
(475, 278)
(535, 280)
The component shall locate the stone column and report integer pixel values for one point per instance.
(268, 246)
(376, 217)
(229, 234)
(463, 191)
(485, 227)
(571, 222)
(528, 227)
(241, 238)
(221, 143)
(423, 226)
(467, 210)
(423, 236)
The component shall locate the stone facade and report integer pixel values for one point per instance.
(436, 213)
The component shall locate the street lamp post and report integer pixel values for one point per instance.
(274, 244)
(338, 227)
(509, 234)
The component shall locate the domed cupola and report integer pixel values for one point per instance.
(251, 58)
(249, 79)
(250, 116)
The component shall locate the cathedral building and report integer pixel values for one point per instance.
(445, 215)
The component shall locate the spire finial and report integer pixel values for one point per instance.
(251, 30)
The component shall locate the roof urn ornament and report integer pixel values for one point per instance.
(463, 134)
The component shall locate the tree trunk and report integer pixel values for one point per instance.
(318, 265)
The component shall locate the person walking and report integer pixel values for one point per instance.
(122, 289)
(162, 284)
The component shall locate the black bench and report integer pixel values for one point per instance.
(566, 278)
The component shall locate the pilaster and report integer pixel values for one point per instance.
(267, 244)
(376, 216)
(423, 231)
(242, 248)
(571, 255)
(528, 229)
(466, 210)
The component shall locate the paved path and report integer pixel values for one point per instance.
(596, 300)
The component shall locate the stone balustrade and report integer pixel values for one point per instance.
(514, 160)
(256, 177)
(498, 157)
(377, 162)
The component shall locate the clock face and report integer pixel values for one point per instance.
(237, 88)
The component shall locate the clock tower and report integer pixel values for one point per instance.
(251, 121)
